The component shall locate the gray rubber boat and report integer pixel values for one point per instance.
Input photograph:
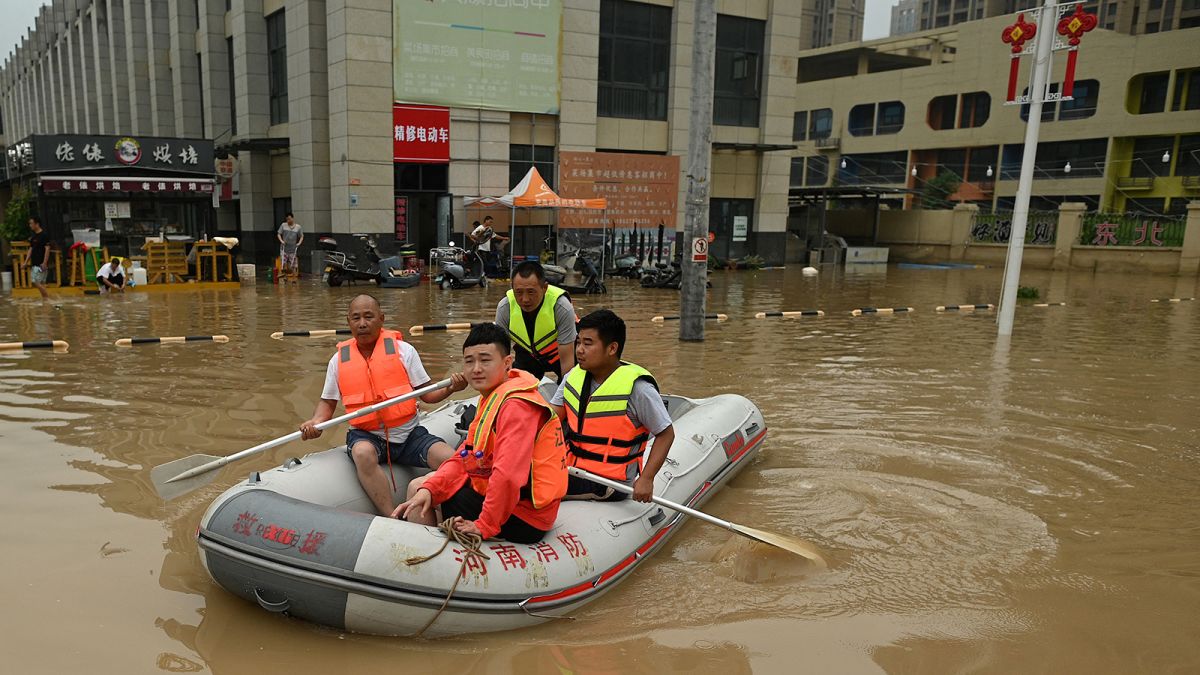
(299, 539)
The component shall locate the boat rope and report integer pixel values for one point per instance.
(470, 544)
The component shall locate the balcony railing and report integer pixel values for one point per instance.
(1135, 182)
(828, 143)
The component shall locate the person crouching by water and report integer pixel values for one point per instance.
(609, 408)
(373, 366)
(111, 276)
(540, 320)
(509, 476)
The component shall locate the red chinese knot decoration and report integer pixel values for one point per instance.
(1017, 35)
(1072, 27)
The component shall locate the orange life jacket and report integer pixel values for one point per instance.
(363, 382)
(548, 470)
(600, 436)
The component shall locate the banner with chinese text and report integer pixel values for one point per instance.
(79, 151)
(642, 190)
(492, 54)
(420, 133)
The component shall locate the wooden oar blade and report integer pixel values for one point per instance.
(800, 548)
(161, 474)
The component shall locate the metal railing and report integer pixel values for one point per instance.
(996, 228)
(1132, 229)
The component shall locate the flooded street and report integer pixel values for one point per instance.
(1030, 509)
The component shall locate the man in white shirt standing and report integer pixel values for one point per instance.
(484, 235)
(373, 366)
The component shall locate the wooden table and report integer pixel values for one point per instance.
(18, 250)
(211, 251)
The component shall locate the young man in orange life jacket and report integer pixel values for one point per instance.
(510, 474)
(609, 408)
(375, 365)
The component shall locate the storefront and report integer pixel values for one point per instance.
(421, 156)
(120, 190)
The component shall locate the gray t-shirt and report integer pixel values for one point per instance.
(290, 234)
(645, 405)
(564, 318)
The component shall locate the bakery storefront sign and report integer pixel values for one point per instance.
(89, 152)
(83, 184)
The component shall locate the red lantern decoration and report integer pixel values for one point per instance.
(1072, 27)
(1017, 35)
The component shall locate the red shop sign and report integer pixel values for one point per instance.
(401, 218)
(420, 133)
(127, 185)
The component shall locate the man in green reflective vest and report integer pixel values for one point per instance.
(540, 320)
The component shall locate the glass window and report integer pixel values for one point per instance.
(820, 123)
(1187, 160)
(277, 66)
(873, 169)
(799, 125)
(1086, 158)
(1151, 92)
(941, 112)
(976, 108)
(738, 78)
(1086, 94)
(796, 177)
(522, 157)
(1049, 108)
(1187, 90)
(817, 170)
(1147, 156)
(862, 120)
(232, 91)
(890, 118)
(635, 60)
(953, 160)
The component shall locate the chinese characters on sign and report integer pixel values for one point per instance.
(1147, 233)
(420, 133)
(251, 525)
(401, 218)
(642, 190)
(76, 151)
(492, 54)
(125, 185)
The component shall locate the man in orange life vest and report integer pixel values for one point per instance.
(375, 365)
(540, 320)
(610, 407)
(510, 475)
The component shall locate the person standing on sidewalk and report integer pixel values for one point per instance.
(290, 237)
(38, 258)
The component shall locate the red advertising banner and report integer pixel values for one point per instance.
(420, 133)
(642, 190)
(401, 218)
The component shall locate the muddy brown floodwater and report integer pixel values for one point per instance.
(1029, 509)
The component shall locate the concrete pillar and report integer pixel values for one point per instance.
(781, 49)
(63, 82)
(75, 99)
(580, 59)
(87, 83)
(360, 114)
(118, 77)
(1189, 258)
(960, 229)
(102, 92)
(158, 44)
(1070, 222)
(254, 176)
(47, 67)
(185, 72)
(251, 87)
(214, 76)
(679, 104)
(137, 67)
(308, 112)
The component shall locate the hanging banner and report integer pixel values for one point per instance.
(642, 190)
(420, 133)
(496, 55)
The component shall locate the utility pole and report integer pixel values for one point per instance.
(692, 291)
(1037, 93)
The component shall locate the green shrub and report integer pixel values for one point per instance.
(15, 226)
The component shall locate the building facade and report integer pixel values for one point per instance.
(896, 113)
(1134, 17)
(300, 93)
(904, 17)
(831, 22)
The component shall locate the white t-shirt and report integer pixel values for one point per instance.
(107, 272)
(483, 237)
(416, 376)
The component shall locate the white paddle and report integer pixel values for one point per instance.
(184, 475)
(796, 546)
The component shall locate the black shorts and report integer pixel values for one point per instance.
(468, 504)
(534, 366)
(582, 488)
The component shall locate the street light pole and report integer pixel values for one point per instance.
(692, 290)
(1037, 92)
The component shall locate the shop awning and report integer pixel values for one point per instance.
(100, 184)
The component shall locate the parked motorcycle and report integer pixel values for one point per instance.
(663, 275)
(385, 272)
(460, 268)
(585, 264)
(626, 266)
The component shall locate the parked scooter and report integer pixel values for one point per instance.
(586, 265)
(340, 267)
(626, 266)
(663, 275)
(461, 269)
